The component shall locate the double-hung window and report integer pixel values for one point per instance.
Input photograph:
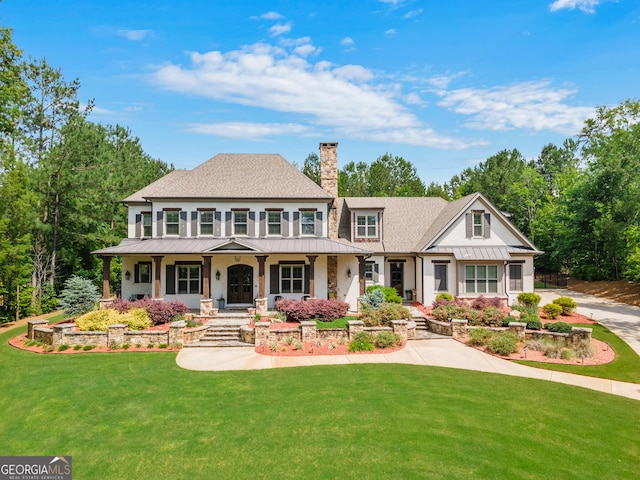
(481, 279)
(515, 277)
(172, 222)
(291, 278)
(142, 272)
(147, 223)
(367, 226)
(478, 224)
(206, 222)
(307, 222)
(239, 222)
(188, 278)
(274, 223)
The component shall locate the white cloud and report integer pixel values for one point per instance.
(134, 35)
(527, 105)
(269, 16)
(391, 32)
(587, 6)
(248, 130)
(347, 42)
(280, 29)
(443, 81)
(413, 13)
(348, 100)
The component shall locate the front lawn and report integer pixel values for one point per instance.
(626, 366)
(138, 415)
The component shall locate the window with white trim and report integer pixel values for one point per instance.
(515, 277)
(366, 226)
(440, 276)
(307, 222)
(478, 223)
(188, 278)
(274, 223)
(172, 222)
(206, 222)
(481, 278)
(368, 271)
(291, 278)
(240, 223)
(147, 224)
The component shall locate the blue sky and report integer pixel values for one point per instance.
(444, 84)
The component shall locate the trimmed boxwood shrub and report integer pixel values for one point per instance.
(533, 323)
(568, 304)
(390, 293)
(529, 299)
(559, 327)
(552, 310)
(444, 296)
(507, 320)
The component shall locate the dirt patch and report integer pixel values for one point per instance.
(621, 290)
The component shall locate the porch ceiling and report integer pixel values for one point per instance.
(167, 246)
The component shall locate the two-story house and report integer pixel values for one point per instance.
(245, 229)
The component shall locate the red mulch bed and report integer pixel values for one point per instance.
(311, 349)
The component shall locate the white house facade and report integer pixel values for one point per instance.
(242, 230)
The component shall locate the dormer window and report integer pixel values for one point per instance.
(367, 226)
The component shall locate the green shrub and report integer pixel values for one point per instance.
(63, 347)
(77, 347)
(362, 342)
(162, 345)
(529, 299)
(88, 347)
(444, 296)
(560, 327)
(114, 346)
(374, 299)
(533, 323)
(474, 317)
(503, 343)
(99, 320)
(568, 304)
(507, 320)
(384, 315)
(387, 339)
(150, 345)
(568, 354)
(78, 296)
(552, 310)
(125, 346)
(390, 293)
(492, 316)
(479, 337)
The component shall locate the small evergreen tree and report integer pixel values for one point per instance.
(78, 296)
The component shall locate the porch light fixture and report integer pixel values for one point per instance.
(217, 274)
(349, 272)
(127, 275)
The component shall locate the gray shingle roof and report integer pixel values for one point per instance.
(237, 176)
(405, 219)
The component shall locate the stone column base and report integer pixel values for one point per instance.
(261, 306)
(105, 303)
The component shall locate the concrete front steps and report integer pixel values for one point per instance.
(224, 331)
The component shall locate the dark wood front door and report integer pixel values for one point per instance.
(240, 284)
(397, 277)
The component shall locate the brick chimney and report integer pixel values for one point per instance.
(329, 182)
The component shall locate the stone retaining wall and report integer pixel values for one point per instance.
(441, 328)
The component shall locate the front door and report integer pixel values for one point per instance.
(240, 285)
(397, 277)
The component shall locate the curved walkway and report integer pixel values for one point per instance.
(622, 319)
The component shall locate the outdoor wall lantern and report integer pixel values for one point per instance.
(127, 275)
(217, 274)
(349, 272)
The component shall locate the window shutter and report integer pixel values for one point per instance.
(171, 279)
(307, 279)
(159, 223)
(376, 272)
(194, 224)
(318, 225)
(469, 224)
(274, 278)
(227, 223)
(136, 273)
(263, 224)
(285, 224)
(251, 228)
(138, 225)
(217, 224)
(487, 225)
(296, 224)
(183, 223)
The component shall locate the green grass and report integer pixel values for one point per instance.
(337, 323)
(138, 415)
(626, 366)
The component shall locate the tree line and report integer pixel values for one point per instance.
(579, 202)
(62, 178)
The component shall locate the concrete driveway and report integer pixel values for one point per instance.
(620, 318)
